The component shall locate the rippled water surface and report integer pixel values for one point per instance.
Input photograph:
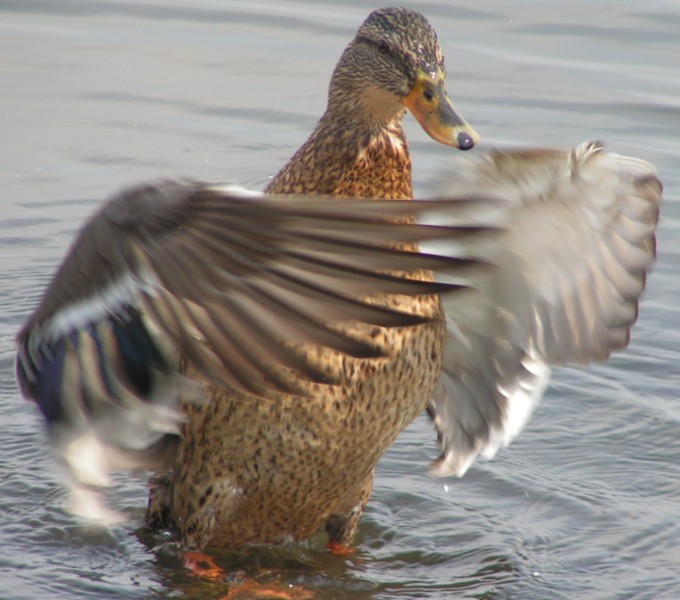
(586, 504)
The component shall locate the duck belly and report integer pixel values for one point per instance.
(254, 470)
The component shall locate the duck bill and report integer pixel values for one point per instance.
(436, 114)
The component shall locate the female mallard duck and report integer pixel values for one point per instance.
(263, 352)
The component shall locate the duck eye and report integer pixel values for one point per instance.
(383, 47)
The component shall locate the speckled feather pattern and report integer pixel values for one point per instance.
(251, 470)
(244, 310)
(336, 161)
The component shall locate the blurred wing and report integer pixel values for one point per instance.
(570, 269)
(227, 281)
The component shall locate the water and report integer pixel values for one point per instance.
(586, 504)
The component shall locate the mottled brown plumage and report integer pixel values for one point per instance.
(250, 471)
(358, 148)
(312, 343)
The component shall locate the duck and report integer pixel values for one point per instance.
(260, 352)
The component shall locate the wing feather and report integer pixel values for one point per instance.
(570, 268)
(180, 275)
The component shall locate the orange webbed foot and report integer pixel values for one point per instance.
(253, 590)
(202, 565)
(339, 549)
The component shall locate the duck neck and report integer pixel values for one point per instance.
(350, 154)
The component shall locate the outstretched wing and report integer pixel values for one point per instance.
(570, 268)
(228, 281)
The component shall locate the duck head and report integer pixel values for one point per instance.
(395, 63)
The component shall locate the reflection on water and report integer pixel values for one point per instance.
(95, 95)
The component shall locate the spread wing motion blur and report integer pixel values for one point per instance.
(540, 257)
(578, 240)
(180, 272)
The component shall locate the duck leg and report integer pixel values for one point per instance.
(342, 528)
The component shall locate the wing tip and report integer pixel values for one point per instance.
(643, 172)
(448, 465)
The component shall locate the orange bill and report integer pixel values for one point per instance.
(431, 106)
